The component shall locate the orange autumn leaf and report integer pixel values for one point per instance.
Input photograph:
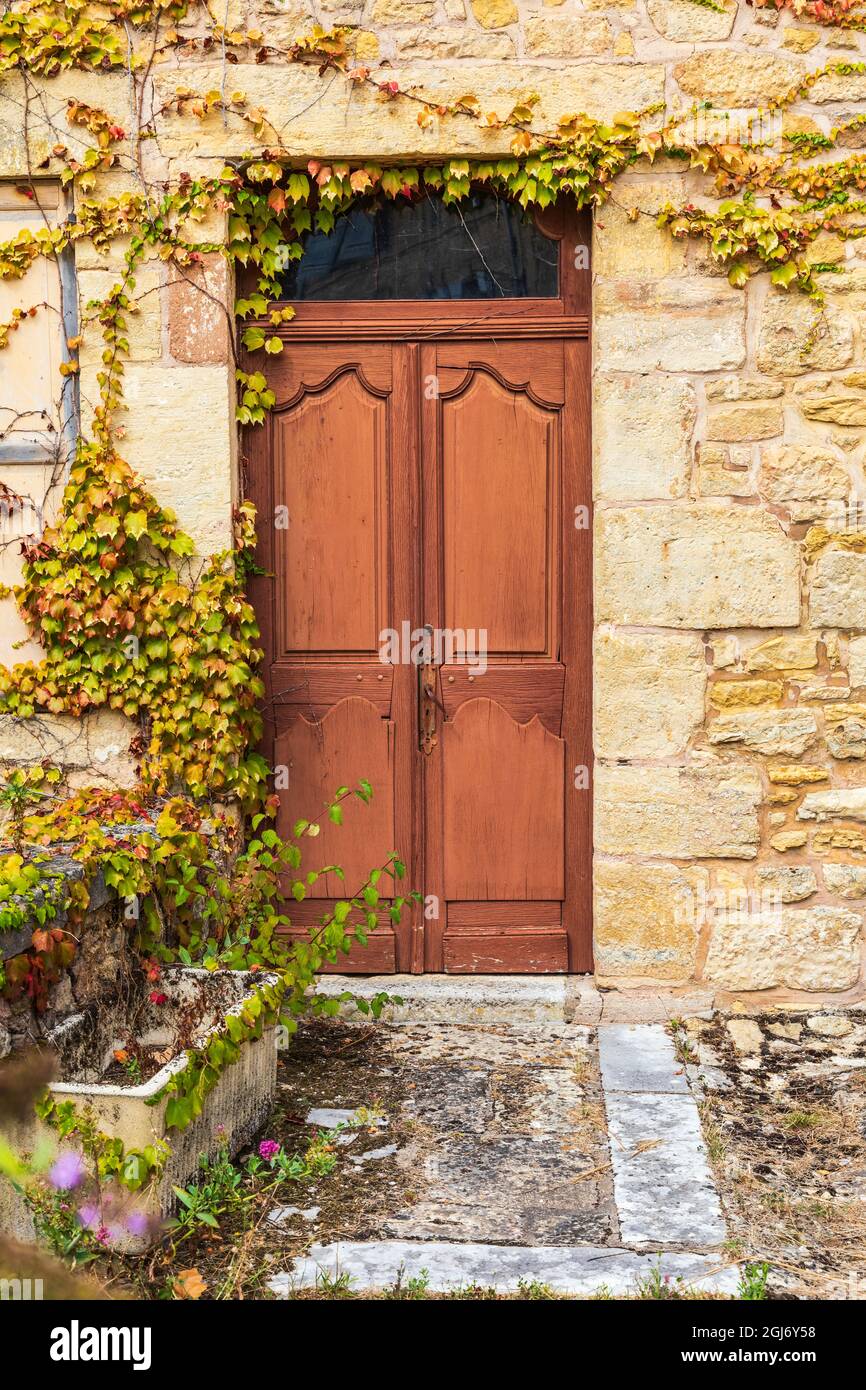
(189, 1284)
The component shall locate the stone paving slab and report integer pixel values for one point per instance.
(514, 1188)
(533, 1045)
(639, 1057)
(663, 1188)
(586, 1269)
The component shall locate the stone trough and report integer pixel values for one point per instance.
(196, 1002)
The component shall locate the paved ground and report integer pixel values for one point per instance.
(490, 1152)
(782, 1096)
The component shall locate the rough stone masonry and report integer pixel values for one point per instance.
(730, 659)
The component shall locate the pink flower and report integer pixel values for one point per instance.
(67, 1172)
(268, 1150)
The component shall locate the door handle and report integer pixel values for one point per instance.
(427, 699)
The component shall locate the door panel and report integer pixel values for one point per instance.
(351, 742)
(332, 471)
(503, 799)
(499, 514)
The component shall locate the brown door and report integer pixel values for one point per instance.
(427, 464)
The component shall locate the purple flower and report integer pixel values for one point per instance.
(268, 1150)
(67, 1172)
(137, 1223)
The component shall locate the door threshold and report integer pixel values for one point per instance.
(514, 999)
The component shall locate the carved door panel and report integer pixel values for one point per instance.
(331, 473)
(500, 797)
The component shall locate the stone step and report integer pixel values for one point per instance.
(515, 999)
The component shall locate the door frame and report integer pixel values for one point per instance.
(414, 323)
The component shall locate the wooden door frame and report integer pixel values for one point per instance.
(413, 323)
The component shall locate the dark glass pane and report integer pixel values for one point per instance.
(483, 248)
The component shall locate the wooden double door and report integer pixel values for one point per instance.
(426, 468)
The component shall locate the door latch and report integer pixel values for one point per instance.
(427, 698)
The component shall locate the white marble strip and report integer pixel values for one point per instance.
(450, 1265)
(663, 1187)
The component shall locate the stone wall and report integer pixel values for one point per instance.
(99, 980)
(730, 657)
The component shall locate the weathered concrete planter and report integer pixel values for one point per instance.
(232, 1111)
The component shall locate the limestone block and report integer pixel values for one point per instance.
(839, 86)
(739, 694)
(676, 812)
(143, 318)
(739, 422)
(838, 837)
(725, 77)
(745, 1034)
(838, 590)
(734, 388)
(766, 731)
(403, 11)
(639, 248)
(857, 660)
(719, 474)
(648, 691)
(792, 948)
(642, 428)
(492, 14)
(179, 431)
(783, 654)
(802, 471)
(830, 1025)
(795, 337)
(788, 839)
(800, 40)
(682, 21)
(647, 918)
(848, 803)
(46, 116)
(98, 741)
(358, 124)
(835, 408)
(197, 301)
(697, 566)
(796, 775)
(453, 41)
(787, 884)
(672, 326)
(847, 738)
(557, 36)
(845, 880)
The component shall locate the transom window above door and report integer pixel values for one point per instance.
(481, 248)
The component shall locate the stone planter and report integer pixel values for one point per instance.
(233, 1109)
